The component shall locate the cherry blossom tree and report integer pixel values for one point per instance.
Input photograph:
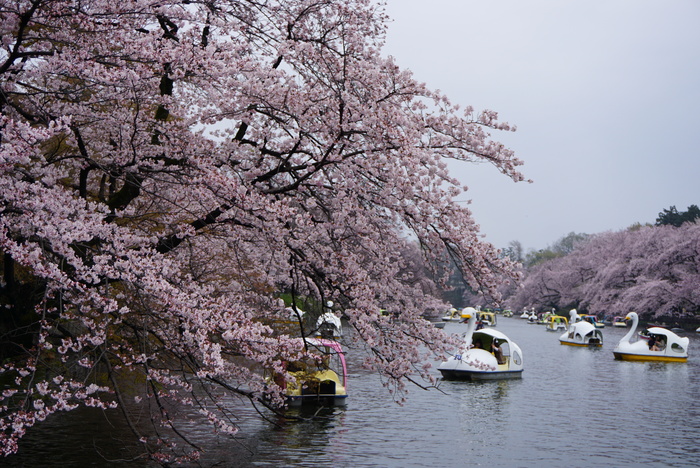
(649, 269)
(168, 169)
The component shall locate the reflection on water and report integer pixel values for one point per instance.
(85, 437)
(574, 407)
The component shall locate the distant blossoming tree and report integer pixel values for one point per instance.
(170, 168)
(653, 271)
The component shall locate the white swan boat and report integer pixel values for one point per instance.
(581, 333)
(473, 361)
(662, 345)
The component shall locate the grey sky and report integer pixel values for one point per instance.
(605, 95)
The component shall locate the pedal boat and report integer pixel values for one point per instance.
(474, 363)
(556, 322)
(452, 315)
(322, 381)
(581, 333)
(487, 318)
(594, 320)
(619, 322)
(673, 347)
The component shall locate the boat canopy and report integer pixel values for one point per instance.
(319, 343)
(660, 331)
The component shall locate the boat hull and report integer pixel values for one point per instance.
(582, 345)
(449, 374)
(299, 400)
(647, 357)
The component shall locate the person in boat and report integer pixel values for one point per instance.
(496, 350)
(479, 325)
(477, 344)
(653, 343)
(660, 343)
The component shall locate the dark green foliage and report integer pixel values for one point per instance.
(673, 217)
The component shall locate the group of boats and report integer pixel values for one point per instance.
(487, 354)
(555, 322)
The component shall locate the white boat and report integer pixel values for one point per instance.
(328, 325)
(474, 361)
(662, 345)
(525, 314)
(581, 333)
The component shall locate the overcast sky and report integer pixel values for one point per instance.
(605, 95)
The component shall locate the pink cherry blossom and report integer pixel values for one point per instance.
(651, 270)
(169, 170)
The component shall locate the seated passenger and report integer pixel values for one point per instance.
(653, 344)
(496, 350)
(660, 343)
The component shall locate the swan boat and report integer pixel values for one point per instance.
(474, 362)
(673, 348)
(581, 333)
(320, 381)
(329, 326)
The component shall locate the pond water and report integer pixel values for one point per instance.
(574, 407)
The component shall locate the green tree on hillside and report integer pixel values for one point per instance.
(560, 248)
(673, 217)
